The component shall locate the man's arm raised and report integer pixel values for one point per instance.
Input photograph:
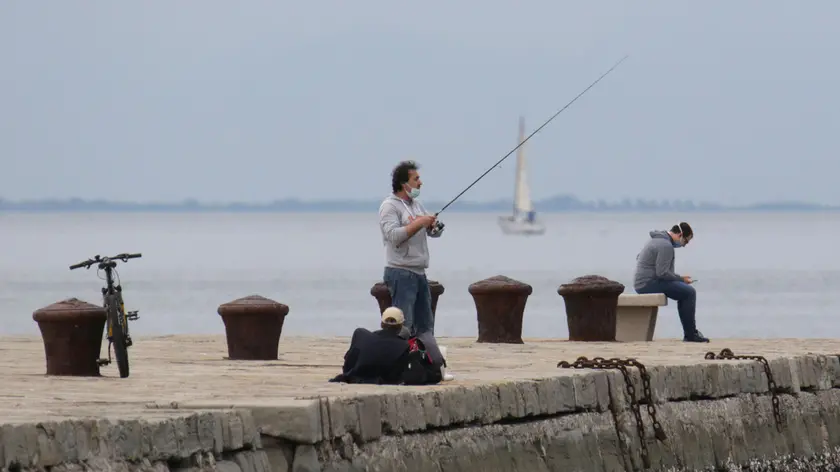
(430, 229)
(389, 223)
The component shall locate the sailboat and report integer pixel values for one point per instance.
(524, 220)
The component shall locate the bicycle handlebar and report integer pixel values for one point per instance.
(100, 260)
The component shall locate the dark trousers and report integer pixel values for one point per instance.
(686, 298)
(410, 293)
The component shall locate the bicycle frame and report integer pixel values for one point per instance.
(112, 289)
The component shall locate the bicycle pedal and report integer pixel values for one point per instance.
(128, 341)
(132, 316)
(102, 362)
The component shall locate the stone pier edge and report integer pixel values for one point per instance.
(310, 433)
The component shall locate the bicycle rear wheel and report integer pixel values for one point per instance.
(116, 321)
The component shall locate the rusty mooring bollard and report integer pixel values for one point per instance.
(591, 303)
(500, 307)
(72, 332)
(383, 296)
(252, 327)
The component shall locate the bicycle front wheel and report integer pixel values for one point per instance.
(117, 321)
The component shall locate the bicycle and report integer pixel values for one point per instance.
(116, 317)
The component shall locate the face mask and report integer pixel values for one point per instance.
(413, 192)
(676, 244)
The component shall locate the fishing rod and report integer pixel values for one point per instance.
(529, 136)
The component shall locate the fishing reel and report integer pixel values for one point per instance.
(437, 228)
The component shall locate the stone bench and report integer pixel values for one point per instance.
(635, 316)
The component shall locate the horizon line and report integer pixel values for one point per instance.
(567, 198)
(557, 203)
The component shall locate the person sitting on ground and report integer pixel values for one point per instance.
(655, 274)
(377, 357)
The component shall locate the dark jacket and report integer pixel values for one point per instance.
(655, 262)
(377, 357)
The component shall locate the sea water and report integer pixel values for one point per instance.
(759, 274)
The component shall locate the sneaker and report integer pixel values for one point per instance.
(697, 337)
(446, 375)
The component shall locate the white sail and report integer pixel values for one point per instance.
(524, 218)
(522, 193)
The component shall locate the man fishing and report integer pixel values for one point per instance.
(405, 225)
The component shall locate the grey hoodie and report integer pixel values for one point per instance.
(402, 252)
(655, 261)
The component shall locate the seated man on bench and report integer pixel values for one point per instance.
(655, 274)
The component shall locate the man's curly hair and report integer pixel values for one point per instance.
(399, 176)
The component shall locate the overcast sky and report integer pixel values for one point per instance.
(728, 101)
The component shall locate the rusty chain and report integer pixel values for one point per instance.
(727, 353)
(651, 408)
(621, 365)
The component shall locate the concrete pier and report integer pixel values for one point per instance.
(510, 408)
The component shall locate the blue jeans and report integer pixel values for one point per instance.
(410, 293)
(686, 298)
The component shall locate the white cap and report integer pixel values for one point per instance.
(393, 316)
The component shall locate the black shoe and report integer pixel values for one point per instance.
(697, 337)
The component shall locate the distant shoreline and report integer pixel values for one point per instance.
(559, 204)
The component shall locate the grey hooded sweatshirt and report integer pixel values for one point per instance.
(402, 252)
(655, 261)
